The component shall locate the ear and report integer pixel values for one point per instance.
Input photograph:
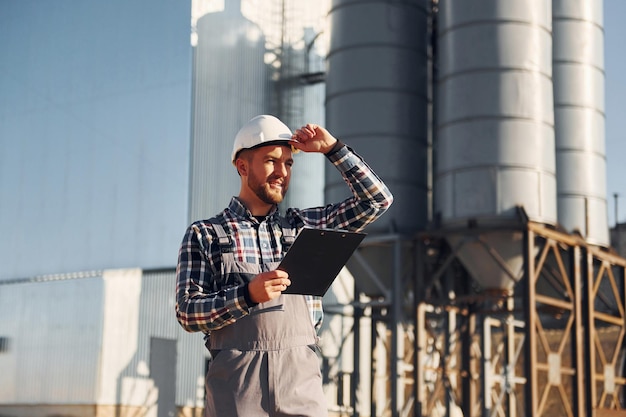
(242, 167)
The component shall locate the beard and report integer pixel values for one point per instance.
(264, 191)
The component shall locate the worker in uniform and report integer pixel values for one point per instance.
(263, 342)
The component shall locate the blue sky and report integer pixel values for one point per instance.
(615, 68)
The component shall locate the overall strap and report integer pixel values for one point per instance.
(288, 234)
(225, 241)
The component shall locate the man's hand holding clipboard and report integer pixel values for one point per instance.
(316, 258)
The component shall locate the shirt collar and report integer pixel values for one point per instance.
(237, 208)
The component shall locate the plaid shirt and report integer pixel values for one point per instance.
(204, 303)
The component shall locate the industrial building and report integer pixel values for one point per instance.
(492, 287)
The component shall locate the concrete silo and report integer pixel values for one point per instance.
(578, 67)
(495, 131)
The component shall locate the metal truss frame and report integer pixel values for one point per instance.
(551, 345)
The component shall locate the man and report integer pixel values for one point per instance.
(262, 341)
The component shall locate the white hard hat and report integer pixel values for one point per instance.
(260, 131)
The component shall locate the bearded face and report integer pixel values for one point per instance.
(269, 189)
(268, 173)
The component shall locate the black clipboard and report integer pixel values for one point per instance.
(316, 257)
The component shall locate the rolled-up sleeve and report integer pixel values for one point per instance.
(371, 198)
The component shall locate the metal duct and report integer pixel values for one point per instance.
(578, 67)
(495, 134)
(377, 102)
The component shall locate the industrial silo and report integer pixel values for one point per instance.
(578, 68)
(377, 101)
(495, 131)
(231, 85)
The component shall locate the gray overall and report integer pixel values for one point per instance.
(263, 364)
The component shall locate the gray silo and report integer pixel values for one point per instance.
(578, 67)
(495, 129)
(377, 101)
(231, 85)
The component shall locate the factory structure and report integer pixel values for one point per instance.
(493, 285)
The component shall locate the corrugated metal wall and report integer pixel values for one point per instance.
(85, 339)
(157, 315)
(54, 333)
(154, 318)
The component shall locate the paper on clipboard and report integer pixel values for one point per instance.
(316, 257)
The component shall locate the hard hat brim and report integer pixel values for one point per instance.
(279, 142)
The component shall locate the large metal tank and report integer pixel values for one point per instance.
(495, 130)
(231, 85)
(578, 68)
(377, 102)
